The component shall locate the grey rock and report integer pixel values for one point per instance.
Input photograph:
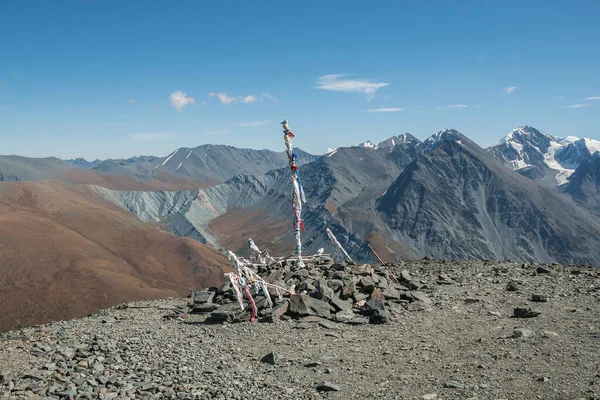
(327, 387)
(302, 274)
(341, 305)
(203, 296)
(523, 333)
(367, 284)
(344, 316)
(203, 308)
(391, 293)
(67, 353)
(327, 324)
(362, 270)
(454, 384)
(405, 275)
(270, 358)
(542, 270)
(512, 287)
(417, 306)
(380, 317)
(324, 292)
(372, 305)
(348, 290)
(540, 298)
(358, 320)
(521, 312)
(303, 305)
(335, 284)
(306, 286)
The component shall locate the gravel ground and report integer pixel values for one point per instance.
(466, 345)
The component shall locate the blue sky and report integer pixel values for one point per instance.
(101, 79)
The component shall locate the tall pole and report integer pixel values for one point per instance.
(297, 192)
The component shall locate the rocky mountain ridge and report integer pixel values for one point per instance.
(359, 191)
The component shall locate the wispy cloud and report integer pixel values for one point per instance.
(375, 110)
(510, 89)
(559, 97)
(337, 83)
(581, 105)
(180, 99)
(132, 101)
(254, 123)
(223, 98)
(147, 137)
(217, 132)
(268, 96)
(455, 106)
(587, 98)
(68, 156)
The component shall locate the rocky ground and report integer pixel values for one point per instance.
(465, 344)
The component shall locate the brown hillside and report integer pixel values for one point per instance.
(65, 252)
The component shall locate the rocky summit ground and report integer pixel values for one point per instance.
(466, 344)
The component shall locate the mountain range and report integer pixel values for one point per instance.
(530, 197)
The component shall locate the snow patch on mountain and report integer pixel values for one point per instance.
(592, 145)
(171, 156)
(368, 144)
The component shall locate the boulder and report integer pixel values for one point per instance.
(348, 290)
(303, 305)
(203, 296)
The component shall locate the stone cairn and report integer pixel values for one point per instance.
(322, 290)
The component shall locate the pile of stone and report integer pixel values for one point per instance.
(323, 290)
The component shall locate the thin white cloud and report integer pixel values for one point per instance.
(337, 83)
(559, 97)
(581, 105)
(147, 137)
(375, 110)
(223, 98)
(217, 132)
(180, 99)
(587, 98)
(455, 106)
(254, 123)
(510, 89)
(132, 101)
(269, 96)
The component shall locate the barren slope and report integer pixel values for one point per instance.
(65, 252)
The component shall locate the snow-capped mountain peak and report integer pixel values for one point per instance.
(526, 133)
(400, 139)
(368, 144)
(529, 147)
(447, 134)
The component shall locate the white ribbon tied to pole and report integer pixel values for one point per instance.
(337, 244)
(297, 193)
